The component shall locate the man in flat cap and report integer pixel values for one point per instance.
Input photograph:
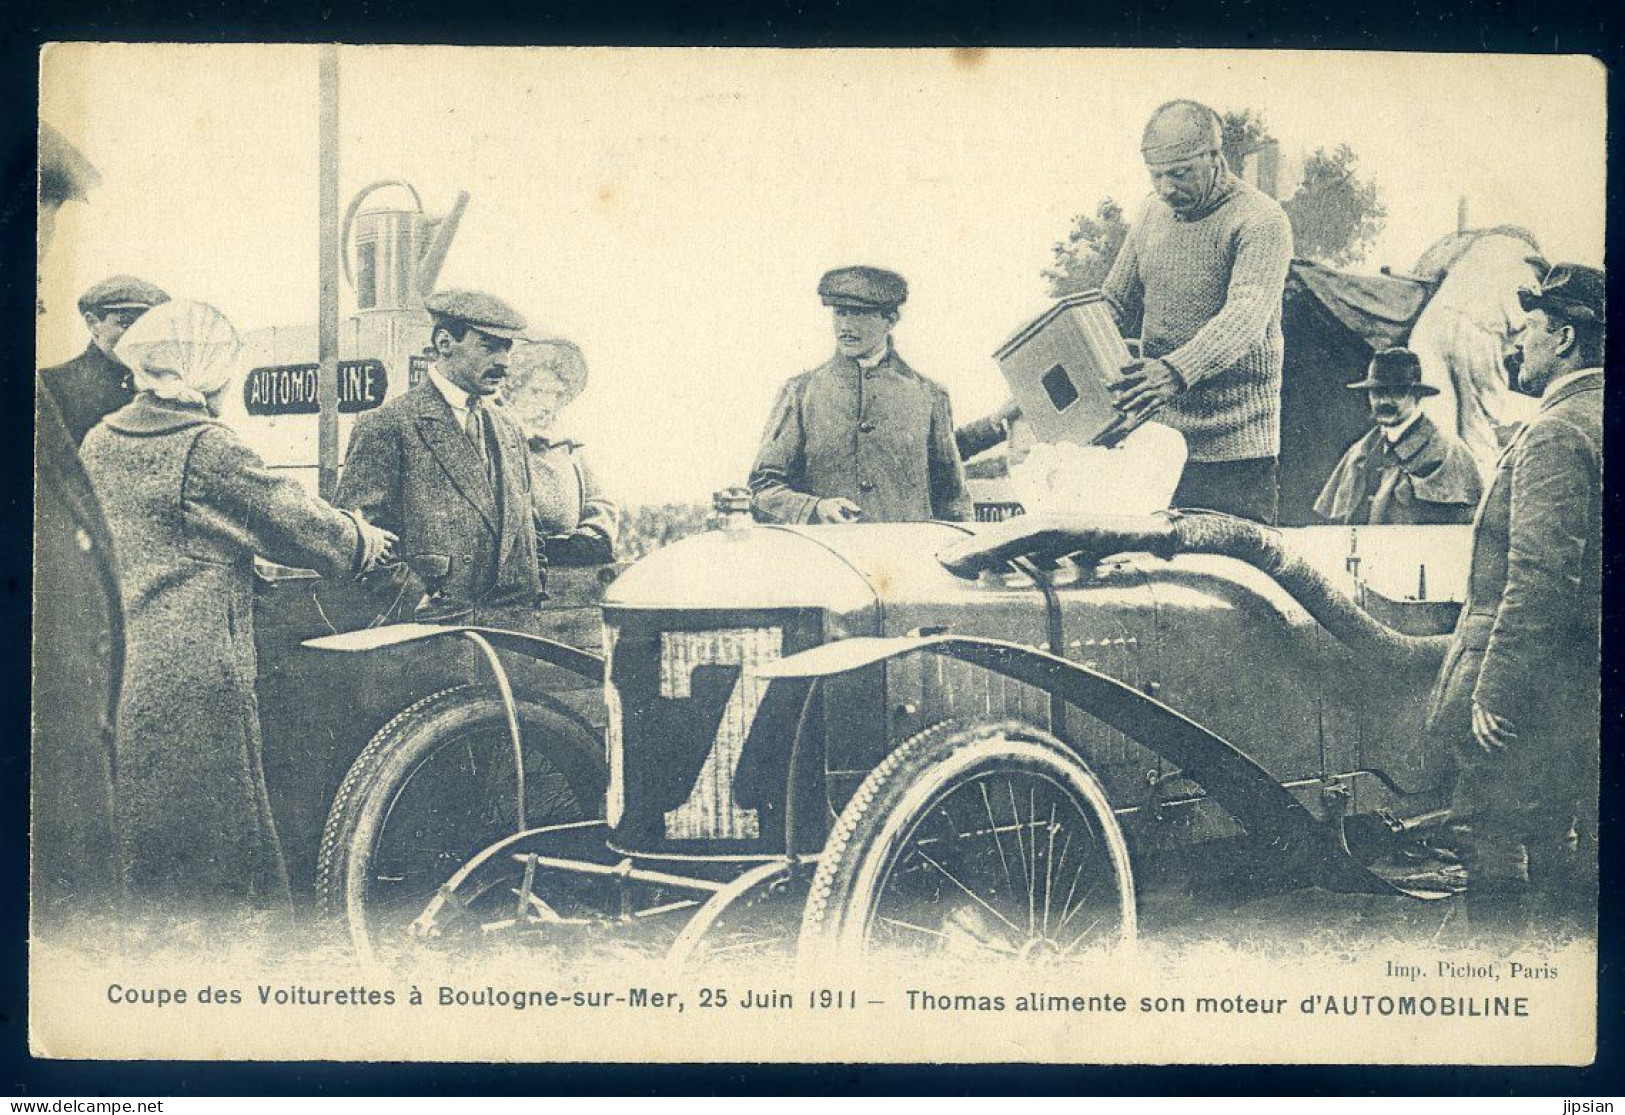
(1200, 278)
(862, 436)
(94, 384)
(1517, 699)
(448, 472)
(1406, 470)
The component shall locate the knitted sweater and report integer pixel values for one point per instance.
(1204, 291)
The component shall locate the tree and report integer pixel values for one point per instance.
(1085, 256)
(1335, 216)
(1243, 133)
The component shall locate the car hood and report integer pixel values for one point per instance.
(840, 568)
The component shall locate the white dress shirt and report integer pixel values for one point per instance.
(456, 398)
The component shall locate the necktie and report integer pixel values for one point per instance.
(475, 428)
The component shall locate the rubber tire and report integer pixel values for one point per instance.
(361, 808)
(877, 820)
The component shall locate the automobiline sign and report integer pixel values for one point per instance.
(291, 388)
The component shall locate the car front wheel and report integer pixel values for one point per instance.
(992, 839)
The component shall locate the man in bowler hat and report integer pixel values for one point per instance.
(94, 384)
(1517, 698)
(863, 436)
(1406, 470)
(447, 471)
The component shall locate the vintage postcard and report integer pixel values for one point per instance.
(1076, 556)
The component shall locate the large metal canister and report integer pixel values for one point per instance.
(1058, 366)
(389, 244)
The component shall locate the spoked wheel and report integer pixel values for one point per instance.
(991, 840)
(752, 920)
(436, 786)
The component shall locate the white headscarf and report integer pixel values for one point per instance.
(182, 351)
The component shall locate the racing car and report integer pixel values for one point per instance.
(959, 738)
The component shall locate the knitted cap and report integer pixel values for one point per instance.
(1181, 130)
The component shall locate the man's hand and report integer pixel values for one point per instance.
(1491, 732)
(377, 544)
(1143, 388)
(836, 511)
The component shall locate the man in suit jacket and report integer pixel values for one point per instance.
(94, 384)
(1517, 698)
(448, 472)
(863, 436)
(1406, 470)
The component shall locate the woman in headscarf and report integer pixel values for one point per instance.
(189, 506)
(579, 521)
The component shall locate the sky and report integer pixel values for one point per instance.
(671, 211)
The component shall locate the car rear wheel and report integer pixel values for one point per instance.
(432, 789)
(973, 842)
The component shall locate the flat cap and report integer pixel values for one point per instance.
(484, 312)
(122, 292)
(863, 288)
(1572, 289)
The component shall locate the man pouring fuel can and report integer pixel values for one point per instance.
(1200, 277)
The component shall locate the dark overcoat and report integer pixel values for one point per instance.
(411, 469)
(189, 506)
(1424, 478)
(1526, 646)
(78, 664)
(882, 437)
(87, 389)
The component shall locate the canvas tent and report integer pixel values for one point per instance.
(1331, 323)
(1458, 311)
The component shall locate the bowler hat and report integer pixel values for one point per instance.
(1575, 291)
(1395, 368)
(484, 312)
(121, 292)
(863, 288)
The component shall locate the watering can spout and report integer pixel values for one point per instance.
(434, 255)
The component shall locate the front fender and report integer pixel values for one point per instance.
(365, 641)
(1249, 792)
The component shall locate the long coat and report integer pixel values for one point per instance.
(87, 389)
(472, 546)
(1526, 644)
(569, 501)
(189, 506)
(1425, 478)
(881, 437)
(78, 665)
